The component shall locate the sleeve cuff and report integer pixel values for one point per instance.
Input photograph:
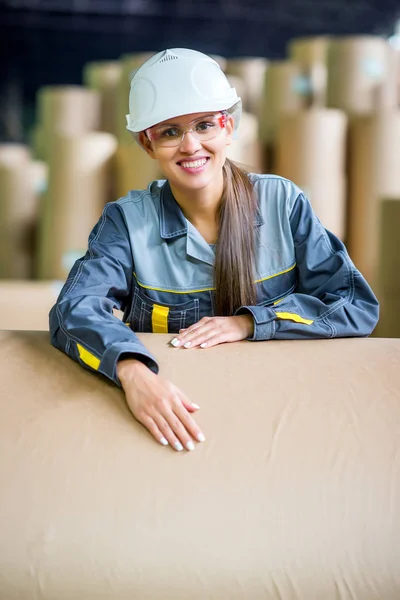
(264, 321)
(108, 364)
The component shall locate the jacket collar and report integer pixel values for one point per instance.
(172, 220)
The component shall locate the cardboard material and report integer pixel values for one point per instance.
(21, 182)
(285, 91)
(294, 494)
(104, 78)
(311, 149)
(79, 177)
(374, 174)
(133, 168)
(389, 255)
(312, 54)
(252, 72)
(389, 317)
(246, 149)
(309, 50)
(25, 305)
(358, 68)
(129, 64)
(71, 109)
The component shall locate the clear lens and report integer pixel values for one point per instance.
(204, 129)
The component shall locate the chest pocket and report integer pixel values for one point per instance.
(150, 316)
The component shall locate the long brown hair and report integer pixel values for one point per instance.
(235, 253)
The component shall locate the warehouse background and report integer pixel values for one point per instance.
(48, 41)
(321, 90)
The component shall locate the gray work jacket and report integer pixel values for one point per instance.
(146, 259)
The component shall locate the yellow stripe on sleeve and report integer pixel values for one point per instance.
(159, 319)
(293, 317)
(88, 358)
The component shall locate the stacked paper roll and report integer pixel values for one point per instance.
(312, 54)
(130, 63)
(309, 50)
(246, 149)
(73, 110)
(77, 192)
(239, 84)
(387, 95)
(104, 78)
(25, 305)
(133, 168)
(21, 181)
(285, 91)
(357, 69)
(221, 60)
(311, 150)
(374, 173)
(389, 269)
(252, 73)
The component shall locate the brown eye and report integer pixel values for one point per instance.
(171, 132)
(204, 126)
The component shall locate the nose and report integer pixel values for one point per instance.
(190, 143)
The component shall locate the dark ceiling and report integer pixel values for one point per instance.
(48, 41)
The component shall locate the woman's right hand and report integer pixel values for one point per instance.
(159, 405)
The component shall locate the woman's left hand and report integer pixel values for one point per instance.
(210, 331)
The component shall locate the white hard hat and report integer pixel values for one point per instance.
(179, 82)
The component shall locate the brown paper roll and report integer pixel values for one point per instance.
(284, 92)
(246, 149)
(374, 173)
(134, 169)
(311, 148)
(25, 305)
(221, 60)
(72, 110)
(357, 67)
(387, 95)
(38, 141)
(104, 78)
(237, 82)
(389, 255)
(20, 183)
(78, 189)
(308, 51)
(129, 64)
(252, 72)
(389, 315)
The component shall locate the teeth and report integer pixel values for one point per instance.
(194, 164)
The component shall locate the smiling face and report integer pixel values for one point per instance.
(193, 163)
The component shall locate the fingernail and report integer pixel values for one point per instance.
(163, 441)
(187, 345)
(190, 446)
(201, 437)
(175, 342)
(178, 446)
(196, 406)
(203, 345)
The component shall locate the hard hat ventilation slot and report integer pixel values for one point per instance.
(168, 57)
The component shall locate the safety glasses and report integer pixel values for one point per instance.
(203, 129)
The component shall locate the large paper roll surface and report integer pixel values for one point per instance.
(374, 174)
(104, 78)
(21, 181)
(285, 91)
(311, 149)
(78, 190)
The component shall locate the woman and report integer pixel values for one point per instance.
(211, 255)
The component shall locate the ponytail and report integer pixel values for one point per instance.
(234, 260)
